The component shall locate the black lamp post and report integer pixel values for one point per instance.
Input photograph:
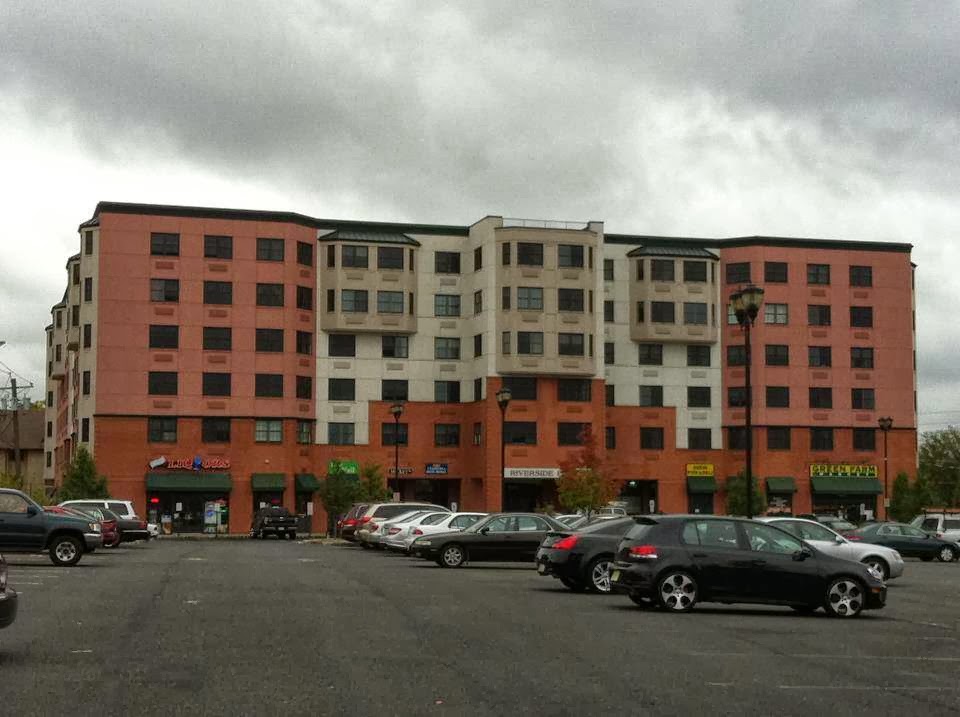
(746, 305)
(885, 423)
(503, 400)
(397, 410)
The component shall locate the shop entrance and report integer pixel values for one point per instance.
(439, 491)
(183, 512)
(639, 497)
(701, 503)
(529, 496)
(266, 498)
(847, 506)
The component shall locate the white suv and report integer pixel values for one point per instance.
(943, 525)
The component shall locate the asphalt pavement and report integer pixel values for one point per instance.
(267, 627)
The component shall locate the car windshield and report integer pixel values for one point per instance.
(840, 525)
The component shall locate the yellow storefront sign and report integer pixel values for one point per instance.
(700, 470)
(842, 470)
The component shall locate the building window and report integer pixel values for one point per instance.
(390, 257)
(570, 300)
(662, 269)
(88, 243)
(863, 399)
(505, 253)
(777, 354)
(699, 439)
(529, 298)
(446, 348)
(87, 335)
(570, 344)
(861, 276)
(394, 434)
(354, 257)
(217, 292)
(861, 357)
(529, 254)
(446, 304)
(821, 397)
(304, 342)
(651, 396)
(341, 389)
(59, 315)
(269, 340)
(88, 289)
(736, 438)
(340, 434)
(610, 394)
(861, 316)
(162, 383)
(389, 302)
(353, 301)
(651, 439)
(520, 433)
(611, 437)
(663, 312)
(160, 290)
(818, 315)
(162, 429)
(395, 346)
(269, 249)
(736, 355)
(58, 352)
(778, 397)
(75, 271)
(269, 294)
(821, 439)
(477, 433)
(505, 343)
(694, 271)
(775, 272)
(570, 434)
(268, 385)
(304, 431)
(394, 390)
(569, 256)
(446, 435)
(331, 256)
(304, 253)
(477, 302)
(609, 356)
(818, 273)
(736, 396)
(49, 399)
(478, 258)
(49, 429)
(331, 300)
(505, 298)
(698, 355)
(477, 389)
(49, 459)
(738, 273)
(217, 338)
(573, 389)
(778, 438)
(819, 356)
(215, 430)
(164, 336)
(75, 315)
(446, 391)
(216, 384)
(608, 312)
(864, 439)
(698, 396)
(608, 269)
(305, 387)
(162, 244)
(268, 430)
(342, 345)
(305, 298)
(85, 383)
(651, 354)
(522, 388)
(477, 345)
(694, 313)
(774, 314)
(446, 262)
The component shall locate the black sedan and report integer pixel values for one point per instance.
(8, 598)
(910, 542)
(501, 537)
(581, 558)
(679, 560)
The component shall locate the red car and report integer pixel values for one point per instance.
(109, 524)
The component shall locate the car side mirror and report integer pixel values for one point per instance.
(32, 510)
(484, 531)
(803, 554)
(840, 540)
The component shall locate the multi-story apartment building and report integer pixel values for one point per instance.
(230, 355)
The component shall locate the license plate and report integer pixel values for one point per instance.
(541, 568)
(615, 576)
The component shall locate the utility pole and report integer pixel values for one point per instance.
(16, 433)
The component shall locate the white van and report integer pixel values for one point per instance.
(944, 525)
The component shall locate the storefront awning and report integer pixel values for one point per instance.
(267, 481)
(701, 484)
(189, 482)
(307, 483)
(846, 486)
(781, 485)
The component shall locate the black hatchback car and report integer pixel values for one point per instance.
(679, 560)
(581, 558)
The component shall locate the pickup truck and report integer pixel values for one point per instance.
(26, 528)
(276, 520)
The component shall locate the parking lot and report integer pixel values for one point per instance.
(231, 627)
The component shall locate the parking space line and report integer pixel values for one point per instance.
(870, 688)
(922, 658)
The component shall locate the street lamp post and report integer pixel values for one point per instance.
(746, 305)
(503, 400)
(885, 423)
(397, 410)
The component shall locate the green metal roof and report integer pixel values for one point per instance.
(267, 481)
(189, 482)
(369, 237)
(846, 486)
(704, 484)
(680, 251)
(781, 485)
(307, 483)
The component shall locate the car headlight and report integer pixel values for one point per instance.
(423, 542)
(95, 527)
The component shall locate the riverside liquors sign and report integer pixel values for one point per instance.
(534, 473)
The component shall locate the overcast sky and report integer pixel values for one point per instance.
(837, 119)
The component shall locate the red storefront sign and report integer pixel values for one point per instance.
(192, 464)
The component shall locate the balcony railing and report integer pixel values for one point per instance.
(544, 224)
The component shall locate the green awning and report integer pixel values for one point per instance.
(189, 482)
(846, 486)
(703, 484)
(267, 481)
(307, 483)
(781, 485)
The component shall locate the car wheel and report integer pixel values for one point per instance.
(452, 556)
(877, 565)
(845, 598)
(65, 551)
(599, 575)
(677, 591)
(643, 601)
(575, 585)
(946, 554)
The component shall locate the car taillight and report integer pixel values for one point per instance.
(565, 543)
(850, 536)
(143, 525)
(350, 521)
(417, 531)
(644, 552)
(365, 519)
(374, 527)
(393, 531)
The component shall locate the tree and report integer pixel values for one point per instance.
(372, 487)
(736, 498)
(586, 483)
(940, 466)
(81, 479)
(336, 493)
(903, 499)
